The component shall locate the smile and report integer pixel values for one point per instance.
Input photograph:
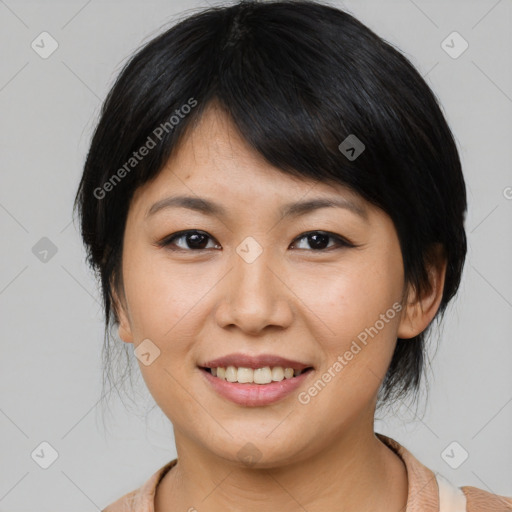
(249, 393)
(263, 375)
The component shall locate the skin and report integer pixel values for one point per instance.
(293, 301)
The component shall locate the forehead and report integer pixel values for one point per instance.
(214, 152)
(213, 160)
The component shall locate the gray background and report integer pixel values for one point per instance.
(51, 317)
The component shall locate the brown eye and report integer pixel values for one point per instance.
(319, 240)
(195, 240)
(189, 240)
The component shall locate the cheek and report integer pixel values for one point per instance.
(162, 295)
(359, 307)
(167, 303)
(351, 298)
(164, 301)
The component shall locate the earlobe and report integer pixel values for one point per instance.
(125, 332)
(124, 329)
(420, 310)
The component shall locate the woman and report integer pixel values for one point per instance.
(229, 147)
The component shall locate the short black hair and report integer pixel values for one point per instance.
(297, 78)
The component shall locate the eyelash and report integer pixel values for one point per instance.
(169, 240)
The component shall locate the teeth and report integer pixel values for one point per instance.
(288, 373)
(231, 374)
(277, 373)
(245, 375)
(264, 375)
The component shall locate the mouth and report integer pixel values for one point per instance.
(254, 380)
(260, 375)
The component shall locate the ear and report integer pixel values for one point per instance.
(419, 310)
(125, 330)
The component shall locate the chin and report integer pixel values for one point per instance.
(261, 450)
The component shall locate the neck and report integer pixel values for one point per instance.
(358, 473)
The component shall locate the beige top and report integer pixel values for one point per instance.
(427, 491)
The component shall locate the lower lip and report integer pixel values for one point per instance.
(254, 395)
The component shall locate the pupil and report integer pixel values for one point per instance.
(193, 240)
(313, 240)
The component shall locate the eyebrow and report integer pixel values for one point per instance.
(297, 209)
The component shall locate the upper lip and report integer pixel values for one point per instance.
(259, 361)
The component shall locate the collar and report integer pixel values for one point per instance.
(427, 491)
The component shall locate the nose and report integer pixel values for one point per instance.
(255, 296)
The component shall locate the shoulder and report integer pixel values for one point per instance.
(126, 503)
(431, 491)
(479, 500)
(141, 499)
(469, 499)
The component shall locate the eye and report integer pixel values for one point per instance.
(193, 239)
(198, 240)
(319, 240)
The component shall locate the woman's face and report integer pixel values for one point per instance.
(251, 283)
